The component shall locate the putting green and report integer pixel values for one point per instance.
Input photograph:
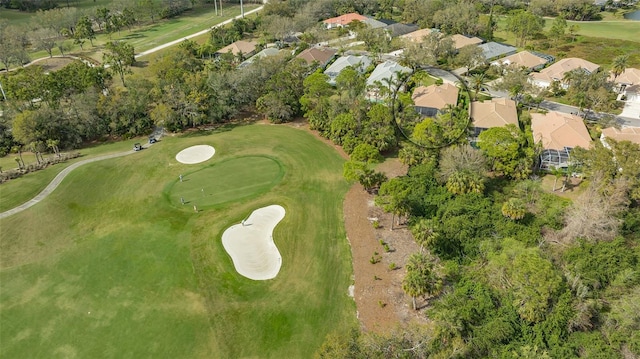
(230, 180)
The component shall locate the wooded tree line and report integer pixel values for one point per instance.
(507, 269)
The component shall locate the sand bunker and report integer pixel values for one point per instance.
(195, 154)
(250, 244)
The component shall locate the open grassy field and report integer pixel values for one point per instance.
(596, 41)
(144, 37)
(13, 193)
(110, 266)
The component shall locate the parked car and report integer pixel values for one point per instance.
(137, 147)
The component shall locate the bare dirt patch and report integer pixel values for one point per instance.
(54, 63)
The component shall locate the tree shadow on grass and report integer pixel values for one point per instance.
(213, 129)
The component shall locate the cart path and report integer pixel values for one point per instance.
(56, 182)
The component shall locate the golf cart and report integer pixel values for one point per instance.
(137, 147)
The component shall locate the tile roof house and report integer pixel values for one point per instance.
(430, 100)
(631, 134)
(382, 72)
(359, 63)
(460, 41)
(496, 112)
(417, 36)
(343, 20)
(629, 84)
(492, 50)
(247, 48)
(524, 59)
(556, 71)
(558, 133)
(320, 55)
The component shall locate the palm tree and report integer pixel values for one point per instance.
(618, 65)
(424, 233)
(421, 278)
(558, 173)
(514, 209)
(477, 81)
(462, 182)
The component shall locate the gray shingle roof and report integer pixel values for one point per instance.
(491, 50)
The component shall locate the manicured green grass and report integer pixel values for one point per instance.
(230, 180)
(155, 277)
(621, 30)
(16, 192)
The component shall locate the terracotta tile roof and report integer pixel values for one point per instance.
(523, 59)
(322, 55)
(460, 41)
(435, 96)
(630, 76)
(246, 47)
(417, 36)
(557, 130)
(496, 112)
(631, 134)
(557, 70)
(345, 19)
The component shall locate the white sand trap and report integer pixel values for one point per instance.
(251, 245)
(195, 154)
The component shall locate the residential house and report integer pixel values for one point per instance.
(359, 63)
(493, 50)
(246, 48)
(318, 55)
(399, 29)
(270, 51)
(460, 41)
(383, 74)
(631, 134)
(430, 100)
(558, 133)
(628, 84)
(417, 36)
(497, 112)
(557, 71)
(523, 59)
(343, 20)
(377, 23)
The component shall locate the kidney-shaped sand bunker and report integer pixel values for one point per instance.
(250, 244)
